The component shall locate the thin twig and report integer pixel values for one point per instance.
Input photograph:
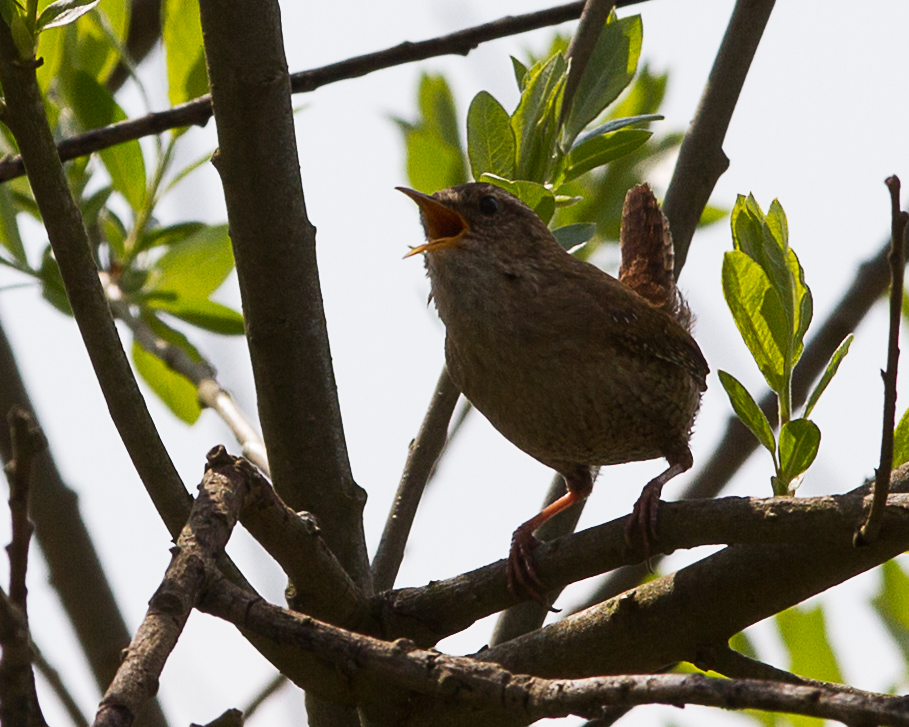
(421, 459)
(198, 111)
(18, 700)
(868, 532)
(593, 18)
(59, 688)
(210, 524)
(701, 159)
(27, 443)
(200, 373)
(270, 689)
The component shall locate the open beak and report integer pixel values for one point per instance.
(444, 227)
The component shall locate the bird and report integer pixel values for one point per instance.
(575, 367)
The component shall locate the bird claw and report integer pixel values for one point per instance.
(644, 518)
(523, 581)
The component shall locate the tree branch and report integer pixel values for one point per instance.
(198, 111)
(26, 119)
(207, 531)
(421, 459)
(274, 247)
(701, 159)
(869, 529)
(75, 569)
(456, 685)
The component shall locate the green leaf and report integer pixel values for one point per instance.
(711, 215)
(571, 236)
(892, 604)
(176, 391)
(829, 373)
(435, 159)
(437, 109)
(181, 31)
(9, 226)
(63, 12)
(603, 149)
(799, 443)
(746, 408)
(95, 107)
(757, 313)
(615, 125)
(22, 37)
(535, 120)
(901, 441)
(195, 267)
(609, 70)
(114, 232)
(432, 164)
(490, 139)
(52, 287)
(804, 634)
(170, 235)
(520, 72)
(202, 313)
(536, 196)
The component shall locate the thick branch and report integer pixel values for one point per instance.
(26, 119)
(489, 692)
(441, 608)
(701, 159)
(274, 247)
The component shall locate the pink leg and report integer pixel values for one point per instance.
(646, 509)
(523, 580)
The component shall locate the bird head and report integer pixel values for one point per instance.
(477, 216)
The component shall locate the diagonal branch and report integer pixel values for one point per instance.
(26, 119)
(701, 159)
(207, 531)
(198, 111)
(424, 453)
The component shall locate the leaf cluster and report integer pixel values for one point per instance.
(162, 273)
(764, 286)
(572, 176)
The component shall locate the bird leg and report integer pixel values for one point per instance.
(644, 514)
(523, 580)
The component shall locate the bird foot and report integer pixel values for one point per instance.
(523, 581)
(644, 518)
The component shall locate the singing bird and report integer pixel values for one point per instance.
(573, 366)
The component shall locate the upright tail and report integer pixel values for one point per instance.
(648, 255)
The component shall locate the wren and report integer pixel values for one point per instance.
(573, 366)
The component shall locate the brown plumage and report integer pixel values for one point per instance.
(573, 366)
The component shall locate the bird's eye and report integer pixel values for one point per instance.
(489, 205)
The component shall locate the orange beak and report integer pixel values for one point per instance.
(444, 227)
